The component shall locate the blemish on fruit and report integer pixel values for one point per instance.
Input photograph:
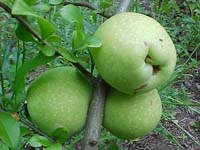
(145, 43)
(161, 40)
(156, 69)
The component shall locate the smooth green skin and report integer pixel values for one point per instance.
(128, 40)
(59, 98)
(132, 116)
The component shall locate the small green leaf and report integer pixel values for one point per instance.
(67, 55)
(47, 50)
(78, 38)
(46, 28)
(9, 130)
(38, 141)
(56, 146)
(23, 34)
(72, 14)
(54, 38)
(60, 134)
(55, 2)
(22, 8)
(24, 131)
(30, 2)
(105, 4)
(93, 42)
(19, 85)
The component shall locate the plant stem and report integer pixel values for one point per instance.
(2, 83)
(24, 52)
(96, 108)
(95, 116)
(36, 130)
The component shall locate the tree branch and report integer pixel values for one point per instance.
(95, 116)
(86, 5)
(96, 108)
(124, 4)
(39, 38)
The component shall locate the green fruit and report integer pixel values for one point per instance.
(59, 98)
(132, 116)
(137, 54)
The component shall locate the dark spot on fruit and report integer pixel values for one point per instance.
(145, 43)
(156, 68)
(161, 40)
(141, 87)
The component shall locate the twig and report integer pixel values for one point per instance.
(124, 4)
(95, 114)
(39, 38)
(86, 5)
(36, 130)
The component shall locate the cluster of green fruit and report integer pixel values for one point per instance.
(137, 56)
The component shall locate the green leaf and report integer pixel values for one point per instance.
(72, 14)
(60, 134)
(9, 130)
(105, 4)
(23, 34)
(56, 146)
(48, 50)
(19, 85)
(22, 8)
(78, 38)
(54, 38)
(38, 141)
(42, 7)
(3, 146)
(66, 54)
(30, 2)
(46, 28)
(55, 2)
(93, 42)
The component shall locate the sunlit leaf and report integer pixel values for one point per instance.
(78, 38)
(47, 50)
(38, 141)
(22, 8)
(72, 14)
(67, 55)
(46, 28)
(9, 130)
(54, 38)
(93, 42)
